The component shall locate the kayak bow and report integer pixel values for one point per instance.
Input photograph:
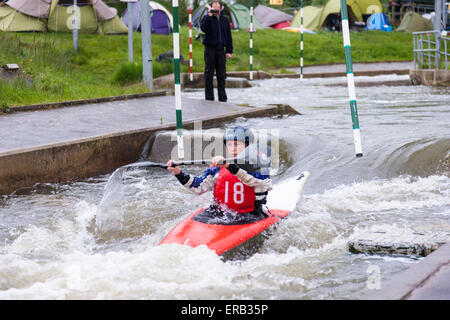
(221, 238)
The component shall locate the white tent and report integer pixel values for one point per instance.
(35, 8)
(269, 16)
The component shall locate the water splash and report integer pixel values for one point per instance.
(110, 211)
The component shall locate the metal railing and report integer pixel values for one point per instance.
(431, 50)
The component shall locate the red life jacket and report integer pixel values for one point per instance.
(232, 193)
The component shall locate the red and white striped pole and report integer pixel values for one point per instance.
(191, 75)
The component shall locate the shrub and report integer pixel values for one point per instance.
(128, 73)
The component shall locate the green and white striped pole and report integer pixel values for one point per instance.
(301, 39)
(191, 75)
(251, 40)
(176, 70)
(350, 79)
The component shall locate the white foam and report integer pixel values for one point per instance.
(161, 272)
(382, 195)
(65, 234)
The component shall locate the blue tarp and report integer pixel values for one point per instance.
(378, 21)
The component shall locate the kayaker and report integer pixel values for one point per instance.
(238, 194)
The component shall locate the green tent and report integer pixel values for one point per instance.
(242, 14)
(238, 14)
(61, 17)
(311, 18)
(57, 16)
(15, 21)
(319, 17)
(112, 26)
(95, 17)
(413, 22)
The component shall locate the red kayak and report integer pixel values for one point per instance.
(224, 237)
(219, 237)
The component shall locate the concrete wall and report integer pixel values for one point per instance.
(54, 105)
(430, 77)
(239, 79)
(94, 156)
(235, 79)
(424, 280)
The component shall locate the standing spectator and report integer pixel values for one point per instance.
(218, 47)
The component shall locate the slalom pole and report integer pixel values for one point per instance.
(350, 79)
(176, 70)
(191, 76)
(251, 40)
(301, 39)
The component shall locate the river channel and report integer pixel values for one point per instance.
(52, 247)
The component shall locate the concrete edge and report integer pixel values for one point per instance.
(87, 157)
(404, 284)
(373, 83)
(430, 77)
(166, 81)
(253, 112)
(72, 103)
(342, 74)
(161, 82)
(354, 62)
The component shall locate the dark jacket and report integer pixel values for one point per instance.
(217, 32)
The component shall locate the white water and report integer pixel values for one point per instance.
(58, 242)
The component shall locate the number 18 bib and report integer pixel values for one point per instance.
(231, 192)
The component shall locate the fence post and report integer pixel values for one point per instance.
(75, 24)
(146, 34)
(438, 48)
(437, 27)
(130, 6)
(422, 57)
(414, 51)
(446, 54)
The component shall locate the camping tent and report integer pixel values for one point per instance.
(270, 17)
(95, 16)
(37, 8)
(57, 15)
(237, 14)
(162, 21)
(413, 22)
(329, 15)
(378, 21)
(242, 14)
(311, 18)
(14, 20)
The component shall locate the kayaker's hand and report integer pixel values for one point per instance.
(173, 170)
(217, 162)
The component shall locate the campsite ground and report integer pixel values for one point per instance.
(101, 68)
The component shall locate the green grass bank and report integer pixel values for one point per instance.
(101, 68)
